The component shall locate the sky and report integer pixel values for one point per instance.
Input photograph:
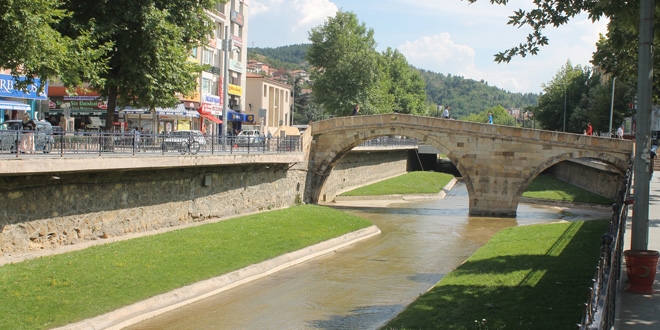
(451, 37)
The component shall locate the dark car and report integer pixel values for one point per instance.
(11, 131)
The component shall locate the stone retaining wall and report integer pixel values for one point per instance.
(360, 167)
(45, 212)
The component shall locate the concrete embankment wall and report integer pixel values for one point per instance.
(597, 178)
(46, 211)
(361, 167)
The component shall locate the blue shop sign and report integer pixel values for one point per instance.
(7, 88)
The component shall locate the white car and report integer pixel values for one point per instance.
(250, 137)
(184, 141)
(11, 130)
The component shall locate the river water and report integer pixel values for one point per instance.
(366, 284)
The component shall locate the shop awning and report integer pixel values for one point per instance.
(13, 105)
(211, 118)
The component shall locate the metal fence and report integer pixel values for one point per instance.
(12, 143)
(599, 311)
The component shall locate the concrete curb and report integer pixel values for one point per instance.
(395, 197)
(163, 303)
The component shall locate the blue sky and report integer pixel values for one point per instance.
(444, 36)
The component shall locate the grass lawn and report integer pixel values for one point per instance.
(57, 290)
(419, 182)
(546, 186)
(529, 277)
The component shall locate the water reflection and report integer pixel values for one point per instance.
(364, 285)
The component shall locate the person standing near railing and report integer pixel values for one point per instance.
(27, 138)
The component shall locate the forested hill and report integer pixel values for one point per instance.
(468, 96)
(465, 96)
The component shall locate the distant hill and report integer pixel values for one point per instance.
(465, 96)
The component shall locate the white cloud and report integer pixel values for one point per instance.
(312, 12)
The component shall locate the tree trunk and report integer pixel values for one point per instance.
(112, 105)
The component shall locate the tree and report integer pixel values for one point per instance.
(147, 64)
(344, 63)
(406, 85)
(30, 46)
(616, 54)
(500, 116)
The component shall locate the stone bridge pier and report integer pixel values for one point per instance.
(497, 163)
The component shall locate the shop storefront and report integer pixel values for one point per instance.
(14, 103)
(162, 120)
(84, 113)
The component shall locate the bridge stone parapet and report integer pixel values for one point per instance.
(497, 162)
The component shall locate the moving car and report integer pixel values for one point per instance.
(11, 131)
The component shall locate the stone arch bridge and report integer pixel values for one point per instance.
(497, 162)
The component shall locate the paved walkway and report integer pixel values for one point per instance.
(639, 311)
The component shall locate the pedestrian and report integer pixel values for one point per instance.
(490, 118)
(27, 138)
(136, 140)
(445, 114)
(356, 109)
(590, 130)
(619, 132)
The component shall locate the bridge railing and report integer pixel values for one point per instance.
(389, 141)
(104, 143)
(599, 312)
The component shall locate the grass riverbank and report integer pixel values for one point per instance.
(61, 289)
(544, 186)
(530, 277)
(410, 183)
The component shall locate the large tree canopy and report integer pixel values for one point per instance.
(151, 40)
(347, 70)
(344, 63)
(30, 47)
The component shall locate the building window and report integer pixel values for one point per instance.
(208, 56)
(265, 91)
(193, 52)
(207, 86)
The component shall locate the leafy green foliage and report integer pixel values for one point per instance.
(57, 290)
(467, 96)
(31, 47)
(529, 277)
(577, 96)
(290, 57)
(500, 117)
(151, 40)
(344, 63)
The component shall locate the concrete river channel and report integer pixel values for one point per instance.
(364, 285)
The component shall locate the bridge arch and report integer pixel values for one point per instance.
(497, 162)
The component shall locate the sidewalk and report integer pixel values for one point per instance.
(638, 311)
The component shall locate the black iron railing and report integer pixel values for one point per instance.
(599, 310)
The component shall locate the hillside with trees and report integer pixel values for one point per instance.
(466, 96)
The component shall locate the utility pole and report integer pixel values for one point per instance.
(641, 162)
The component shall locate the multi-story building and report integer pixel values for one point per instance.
(268, 103)
(230, 21)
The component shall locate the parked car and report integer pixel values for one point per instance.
(11, 131)
(178, 139)
(251, 137)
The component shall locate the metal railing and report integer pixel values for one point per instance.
(127, 143)
(600, 309)
(389, 141)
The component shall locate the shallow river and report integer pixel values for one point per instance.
(366, 284)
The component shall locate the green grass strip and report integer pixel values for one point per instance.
(529, 277)
(546, 186)
(410, 183)
(61, 289)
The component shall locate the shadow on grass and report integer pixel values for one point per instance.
(513, 292)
